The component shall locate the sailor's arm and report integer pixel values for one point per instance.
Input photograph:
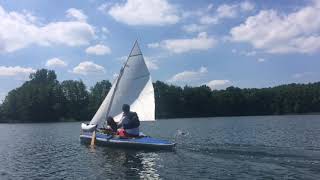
(120, 124)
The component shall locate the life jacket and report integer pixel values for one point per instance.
(122, 133)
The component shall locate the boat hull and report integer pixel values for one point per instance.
(128, 143)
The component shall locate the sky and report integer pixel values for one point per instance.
(248, 44)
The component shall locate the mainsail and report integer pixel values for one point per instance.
(134, 87)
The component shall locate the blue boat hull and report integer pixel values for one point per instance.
(128, 143)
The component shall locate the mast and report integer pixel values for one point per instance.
(118, 79)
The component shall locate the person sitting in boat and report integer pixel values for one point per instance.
(129, 123)
(111, 128)
(112, 125)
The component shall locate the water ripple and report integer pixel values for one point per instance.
(272, 147)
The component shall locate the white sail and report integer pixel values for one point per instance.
(133, 87)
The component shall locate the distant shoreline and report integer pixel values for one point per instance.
(302, 114)
(44, 99)
(168, 119)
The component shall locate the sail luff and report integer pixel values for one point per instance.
(113, 93)
(119, 78)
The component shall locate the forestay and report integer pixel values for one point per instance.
(134, 87)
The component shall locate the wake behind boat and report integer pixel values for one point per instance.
(134, 87)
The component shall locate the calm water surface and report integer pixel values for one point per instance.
(269, 147)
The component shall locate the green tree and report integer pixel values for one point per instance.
(197, 101)
(39, 100)
(77, 100)
(97, 94)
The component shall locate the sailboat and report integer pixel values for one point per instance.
(133, 86)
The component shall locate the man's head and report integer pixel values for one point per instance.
(125, 108)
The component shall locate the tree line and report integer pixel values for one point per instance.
(44, 99)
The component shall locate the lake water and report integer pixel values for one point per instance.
(268, 147)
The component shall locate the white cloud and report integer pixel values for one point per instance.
(115, 75)
(3, 96)
(201, 42)
(19, 30)
(145, 12)
(209, 7)
(87, 68)
(188, 76)
(105, 30)
(11, 71)
(226, 11)
(104, 7)
(98, 50)
(104, 33)
(191, 28)
(72, 33)
(274, 32)
(261, 60)
(207, 19)
(248, 53)
(56, 62)
(218, 84)
(122, 59)
(197, 12)
(302, 74)
(76, 14)
(247, 6)
(297, 75)
(244, 52)
(153, 45)
(151, 63)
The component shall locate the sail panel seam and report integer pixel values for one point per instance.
(135, 55)
(141, 76)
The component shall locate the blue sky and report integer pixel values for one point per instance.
(218, 43)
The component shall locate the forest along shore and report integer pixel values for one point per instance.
(44, 99)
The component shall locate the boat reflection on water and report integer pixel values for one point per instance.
(129, 164)
(149, 166)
